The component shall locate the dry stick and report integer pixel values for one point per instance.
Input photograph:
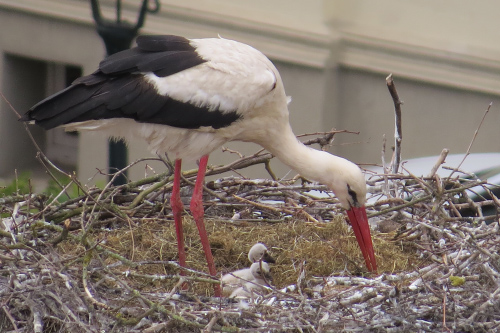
(441, 160)
(263, 206)
(398, 134)
(12, 321)
(421, 199)
(63, 235)
(238, 164)
(267, 165)
(37, 321)
(384, 168)
(262, 157)
(86, 262)
(162, 309)
(306, 214)
(39, 150)
(58, 196)
(152, 307)
(276, 210)
(31, 136)
(444, 310)
(467, 153)
(205, 188)
(211, 324)
(117, 212)
(161, 277)
(225, 149)
(149, 190)
(495, 200)
(424, 185)
(44, 159)
(65, 309)
(326, 135)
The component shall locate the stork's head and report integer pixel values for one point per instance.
(259, 252)
(349, 185)
(260, 270)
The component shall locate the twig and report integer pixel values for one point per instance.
(210, 324)
(398, 134)
(37, 321)
(12, 321)
(473, 139)
(64, 234)
(267, 166)
(440, 160)
(225, 149)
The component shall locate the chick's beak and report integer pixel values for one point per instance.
(359, 223)
(267, 258)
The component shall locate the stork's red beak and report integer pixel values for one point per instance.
(359, 223)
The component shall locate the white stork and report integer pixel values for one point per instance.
(186, 97)
(256, 276)
(259, 252)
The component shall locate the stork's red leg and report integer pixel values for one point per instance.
(198, 214)
(177, 209)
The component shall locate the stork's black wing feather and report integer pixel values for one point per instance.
(153, 53)
(118, 90)
(158, 43)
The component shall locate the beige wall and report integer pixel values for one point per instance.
(305, 16)
(433, 117)
(43, 39)
(460, 26)
(18, 75)
(333, 57)
(447, 43)
(446, 62)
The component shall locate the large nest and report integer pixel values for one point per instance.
(105, 260)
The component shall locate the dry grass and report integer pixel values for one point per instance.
(326, 248)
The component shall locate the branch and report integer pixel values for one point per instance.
(398, 134)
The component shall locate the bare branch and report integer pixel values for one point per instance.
(398, 131)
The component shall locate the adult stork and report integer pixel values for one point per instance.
(186, 97)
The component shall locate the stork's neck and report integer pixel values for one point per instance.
(313, 164)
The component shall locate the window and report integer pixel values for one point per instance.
(62, 146)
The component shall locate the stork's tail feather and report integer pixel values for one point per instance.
(62, 107)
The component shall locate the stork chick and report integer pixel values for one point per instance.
(255, 277)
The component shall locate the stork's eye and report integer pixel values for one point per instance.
(353, 195)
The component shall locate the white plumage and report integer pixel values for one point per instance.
(259, 252)
(232, 280)
(188, 97)
(234, 78)
(244, 280)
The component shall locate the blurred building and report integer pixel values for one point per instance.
(333, 56)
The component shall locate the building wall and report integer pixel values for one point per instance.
(333, 57)
(19, 75)
(433, 117)
(37, 39)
